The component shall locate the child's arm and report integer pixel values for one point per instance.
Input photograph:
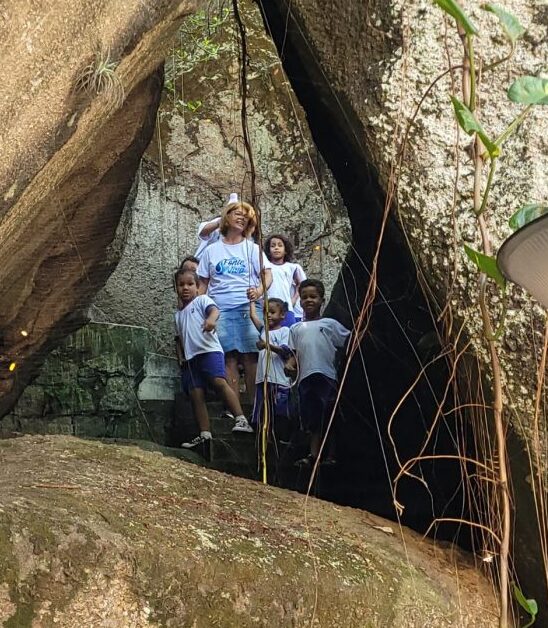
(256, 293)
(179, 351)
(298, 276)
(282, 351)
(212, 313)
(290, 366)
(208, 228)
(254, 318)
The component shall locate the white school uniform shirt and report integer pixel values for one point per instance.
(316, 344)
(275, 373)
(297, 309)
(189, 324)
(231, 270)
(205, 241)
(282, 281)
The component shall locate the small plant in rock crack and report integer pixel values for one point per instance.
(99, 77)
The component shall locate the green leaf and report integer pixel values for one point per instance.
(510, 24)
(455, 10)
(529, 90)
(470, 125)
(528, 605)
(487, 265)
(526, 214)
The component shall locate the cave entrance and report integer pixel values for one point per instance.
(401, 337)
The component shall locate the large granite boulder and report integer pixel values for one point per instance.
(80, 88)
(378, 59)
(103, 535)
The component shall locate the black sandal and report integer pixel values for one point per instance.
(329, 462)
(307, 461)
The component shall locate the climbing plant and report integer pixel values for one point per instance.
(200, 41)
(528, 91)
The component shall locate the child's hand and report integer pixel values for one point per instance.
(209, 325)
(253, 294)
(261, 344)
(290, 370)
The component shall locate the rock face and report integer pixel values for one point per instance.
(379, 58)
(198, 158)
(70, 149)
(105, 535)
(373, 62)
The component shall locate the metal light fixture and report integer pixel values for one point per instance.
(523, 258)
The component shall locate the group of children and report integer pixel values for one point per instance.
(302, 346)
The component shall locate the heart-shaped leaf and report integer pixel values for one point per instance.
(526, 214)
(487, 265)
(453, 8)
(470, 125)
(528, 605)
(510, 24)
(529, 90)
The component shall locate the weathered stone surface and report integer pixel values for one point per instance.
(198, 159)
(68, 157)
(373, 64)
(88, 386)
(379, 58)
(106, 535)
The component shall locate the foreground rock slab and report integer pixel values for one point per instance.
(101, 535)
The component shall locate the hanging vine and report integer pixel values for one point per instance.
(485, 153)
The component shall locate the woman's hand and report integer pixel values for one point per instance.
(254, 293)
(261, 344)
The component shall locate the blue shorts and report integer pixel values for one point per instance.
(278, 402)
(289, 319)
(236, 332)
(201, 368)
(317, 396)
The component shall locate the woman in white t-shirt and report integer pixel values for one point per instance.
(229, 272)
(286, 274)
(208, 231)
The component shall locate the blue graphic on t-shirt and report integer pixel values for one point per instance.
(231, 266)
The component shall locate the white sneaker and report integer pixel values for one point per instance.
(242, 425)
(199, 440)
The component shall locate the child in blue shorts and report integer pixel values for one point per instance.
(270, 368)
(315, 342)
(205, 361)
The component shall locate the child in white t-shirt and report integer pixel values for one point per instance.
(271, 377)
(286, 274)
(205, 361)
(315, 342)
(208, 231)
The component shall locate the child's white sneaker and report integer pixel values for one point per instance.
(199, 440)
(242, 425)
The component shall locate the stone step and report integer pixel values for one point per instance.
(240, 469)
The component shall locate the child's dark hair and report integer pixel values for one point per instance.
(281, 304)
(189, 258)
(312, 283)
(180, 271)
(288, 245)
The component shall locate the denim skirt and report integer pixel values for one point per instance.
(236, 331)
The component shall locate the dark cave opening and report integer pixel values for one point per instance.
(399, 336)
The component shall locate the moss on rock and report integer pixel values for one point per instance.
(94, 534)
